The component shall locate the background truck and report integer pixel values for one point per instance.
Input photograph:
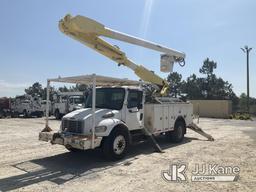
(116, 112)
(65, 102)
(5, 107)
(27, 106)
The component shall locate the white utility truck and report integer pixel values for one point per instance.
(65, 102)
(116, 111)
(27, 106)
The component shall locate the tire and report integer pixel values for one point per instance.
(57, 114)
(177, 135)
(40, 114)
(25, 113)
(116, 145)
(14, 114)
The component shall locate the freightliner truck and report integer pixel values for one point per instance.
(116, 112)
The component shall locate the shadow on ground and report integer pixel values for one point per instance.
(67, 166)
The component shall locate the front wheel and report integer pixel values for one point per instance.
(57, 114)
(115, 146)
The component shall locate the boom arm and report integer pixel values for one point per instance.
(87, 31)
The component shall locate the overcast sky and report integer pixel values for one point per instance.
(33, 49)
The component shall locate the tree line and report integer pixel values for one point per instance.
(209, 87)
(38, 90)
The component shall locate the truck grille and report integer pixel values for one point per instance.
(72, 126)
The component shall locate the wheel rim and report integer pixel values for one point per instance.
(179, 131)
(119, 144)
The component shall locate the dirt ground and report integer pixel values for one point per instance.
(27, 164)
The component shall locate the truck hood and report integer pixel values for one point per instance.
(84, 114)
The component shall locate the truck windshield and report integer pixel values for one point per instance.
(78, 100)
(108, 98)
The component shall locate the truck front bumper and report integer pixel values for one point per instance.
(75, 141)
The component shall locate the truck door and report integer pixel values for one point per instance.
(134, 111)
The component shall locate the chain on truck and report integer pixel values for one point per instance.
(116, 112)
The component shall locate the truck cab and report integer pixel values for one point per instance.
(114, 106)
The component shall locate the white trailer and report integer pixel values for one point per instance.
(115, 114)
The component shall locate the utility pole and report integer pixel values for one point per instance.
(247, 50)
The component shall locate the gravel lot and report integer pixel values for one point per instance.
(27, 164)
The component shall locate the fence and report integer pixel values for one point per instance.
(212, 108)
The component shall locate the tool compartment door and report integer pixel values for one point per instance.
(158, 118)
(171, 116)
(165, 117)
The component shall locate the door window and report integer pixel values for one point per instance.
(134, 99)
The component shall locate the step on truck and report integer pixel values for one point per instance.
(119, 111)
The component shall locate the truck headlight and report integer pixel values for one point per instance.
(99, 129)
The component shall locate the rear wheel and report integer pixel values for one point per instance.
(14, 114)
(25, 113)
(1, 113)
(57, 114)
(115, 146)
(177, 135)
(40, 114)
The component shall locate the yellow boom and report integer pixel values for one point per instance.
(87, 31)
